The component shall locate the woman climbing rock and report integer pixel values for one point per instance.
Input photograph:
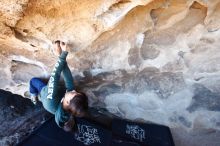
(63, 102)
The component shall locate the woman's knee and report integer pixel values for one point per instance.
(34, 79)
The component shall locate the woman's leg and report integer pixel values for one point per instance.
(35, 86)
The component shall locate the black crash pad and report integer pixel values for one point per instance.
(49, 134)
(94, 133)
(123, 143)
(146, 134)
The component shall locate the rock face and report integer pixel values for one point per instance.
(19, 117)
(153, 60)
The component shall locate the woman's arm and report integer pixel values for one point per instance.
(68, 78)
(55, 75)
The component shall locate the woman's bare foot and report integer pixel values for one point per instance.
(57, 48)
(33, 98)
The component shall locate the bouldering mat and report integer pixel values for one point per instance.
(117, 132)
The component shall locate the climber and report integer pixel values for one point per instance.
(52, 95)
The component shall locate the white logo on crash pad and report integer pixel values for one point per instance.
(135, 132)
(87, 135)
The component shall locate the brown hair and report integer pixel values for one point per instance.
(79, 104)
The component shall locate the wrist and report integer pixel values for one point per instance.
(64, 54)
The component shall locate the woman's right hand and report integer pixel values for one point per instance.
(57, 48)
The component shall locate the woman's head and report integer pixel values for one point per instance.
(76, 103)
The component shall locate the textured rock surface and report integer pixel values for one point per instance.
(19, 117)
(155, 60)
